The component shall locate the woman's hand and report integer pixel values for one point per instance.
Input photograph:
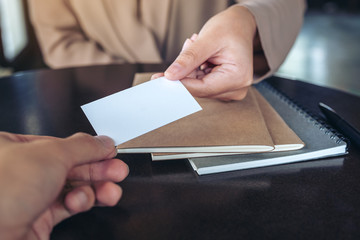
(218, 62)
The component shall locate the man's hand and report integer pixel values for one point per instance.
(44, 180)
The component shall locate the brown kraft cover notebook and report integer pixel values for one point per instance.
(284, 138)
(220, 128)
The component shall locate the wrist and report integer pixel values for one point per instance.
(247, 19)
(260, 64)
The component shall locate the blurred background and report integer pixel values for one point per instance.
(326, 53)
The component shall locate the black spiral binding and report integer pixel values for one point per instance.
(323, 126)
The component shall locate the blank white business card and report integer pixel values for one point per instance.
(140, 109)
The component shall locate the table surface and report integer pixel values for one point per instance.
(166, 200)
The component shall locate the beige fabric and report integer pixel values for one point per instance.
(87, 32)
(278, 23)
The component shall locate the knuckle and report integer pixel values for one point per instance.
(89, 141)
(83, 137)
(85, 140)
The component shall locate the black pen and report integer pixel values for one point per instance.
(340, 124)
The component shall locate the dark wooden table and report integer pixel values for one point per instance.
(167, 200)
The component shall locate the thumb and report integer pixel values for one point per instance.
(87, 148)
(189, 59)
(82, 148)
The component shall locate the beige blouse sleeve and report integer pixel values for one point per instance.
(112, 37)
(278, 23)
(61, 38)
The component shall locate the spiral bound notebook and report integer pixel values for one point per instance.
(320, 140)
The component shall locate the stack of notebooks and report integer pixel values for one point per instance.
(261, 130)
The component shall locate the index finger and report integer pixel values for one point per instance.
(190, 58)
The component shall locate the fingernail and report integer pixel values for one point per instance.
(106, 141)
(172, 71)
(193, 37)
